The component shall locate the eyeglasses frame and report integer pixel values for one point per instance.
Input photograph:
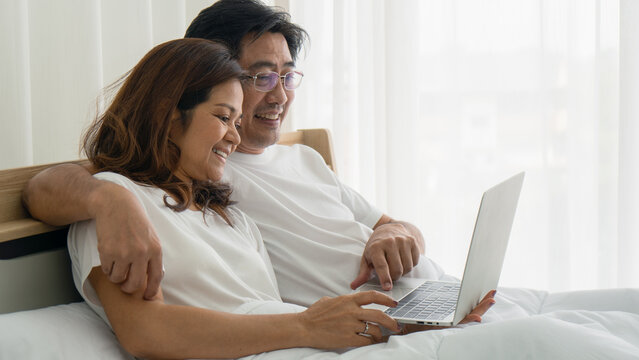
(281, 79)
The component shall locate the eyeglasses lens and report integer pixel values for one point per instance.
(268, 81)
(292, 80)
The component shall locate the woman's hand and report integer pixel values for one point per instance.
(474, 316)
(341, 322)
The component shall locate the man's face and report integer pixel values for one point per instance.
(264, 111)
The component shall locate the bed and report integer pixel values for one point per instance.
(43, 317)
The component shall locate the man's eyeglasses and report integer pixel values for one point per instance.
(266, 81)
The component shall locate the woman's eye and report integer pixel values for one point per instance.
(223, 118)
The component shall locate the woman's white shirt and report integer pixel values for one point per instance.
(207, 263)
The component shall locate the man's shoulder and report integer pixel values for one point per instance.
(304, 152)
(276, 154)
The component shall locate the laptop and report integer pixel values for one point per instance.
(442, 303)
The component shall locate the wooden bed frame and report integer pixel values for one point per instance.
(35, 269)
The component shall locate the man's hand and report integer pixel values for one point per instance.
(393, 250)
(130, 251)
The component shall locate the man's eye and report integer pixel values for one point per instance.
(238, 126)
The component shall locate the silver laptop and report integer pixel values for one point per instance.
(447, 303)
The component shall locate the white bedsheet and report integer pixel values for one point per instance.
(523, 324)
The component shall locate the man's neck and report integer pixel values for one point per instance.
(251, 150)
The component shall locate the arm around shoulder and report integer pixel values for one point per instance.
(130, 251)
(62, 194)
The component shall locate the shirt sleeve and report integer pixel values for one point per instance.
(363, 211)
(82, 243)
(251, 231)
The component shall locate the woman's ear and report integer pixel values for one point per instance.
(176, 125)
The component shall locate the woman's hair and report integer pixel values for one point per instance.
(228, 21)
(132, 137)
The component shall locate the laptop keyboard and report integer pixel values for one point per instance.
(431, 300)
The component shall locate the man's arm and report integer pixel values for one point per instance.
(128, 246)
(392, 251)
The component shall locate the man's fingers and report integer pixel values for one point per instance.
(364, 274)
(156, 273)
(406, 256)
(119, 272)
(395, 267)
(416, 254)
(382, 270)
(107, 266)
(135, 278)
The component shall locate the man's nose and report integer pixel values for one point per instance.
(278, 94)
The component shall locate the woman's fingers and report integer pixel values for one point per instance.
(479, 310)
(379, 318)
(373, 297)
(371, 331)
(342, 322)
(376, 316)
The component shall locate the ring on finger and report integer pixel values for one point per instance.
(365, 332)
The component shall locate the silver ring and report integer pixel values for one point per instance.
(365, 332)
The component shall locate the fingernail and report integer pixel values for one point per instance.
(395, 302)
(387, 286)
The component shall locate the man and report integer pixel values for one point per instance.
(320, 234)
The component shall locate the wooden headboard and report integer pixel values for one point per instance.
(34, 264)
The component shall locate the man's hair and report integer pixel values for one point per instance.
(133, 136)
(229, 21)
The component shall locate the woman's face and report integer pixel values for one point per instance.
(212, 134)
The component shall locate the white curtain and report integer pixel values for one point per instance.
(433, 101)
(56, 58)
(430, 103)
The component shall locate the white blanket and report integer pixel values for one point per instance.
(523, 324)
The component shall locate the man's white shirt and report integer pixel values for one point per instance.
(314, 227)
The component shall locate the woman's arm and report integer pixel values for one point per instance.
(157, 330)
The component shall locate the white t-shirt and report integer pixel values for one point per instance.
(207, 264)
(315, 228)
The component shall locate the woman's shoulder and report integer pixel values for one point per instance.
(114, 177)
(240, 221)
(237, 216)
(125, 182)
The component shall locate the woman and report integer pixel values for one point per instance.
(165, 137)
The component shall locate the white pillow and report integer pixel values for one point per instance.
(65, 332)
